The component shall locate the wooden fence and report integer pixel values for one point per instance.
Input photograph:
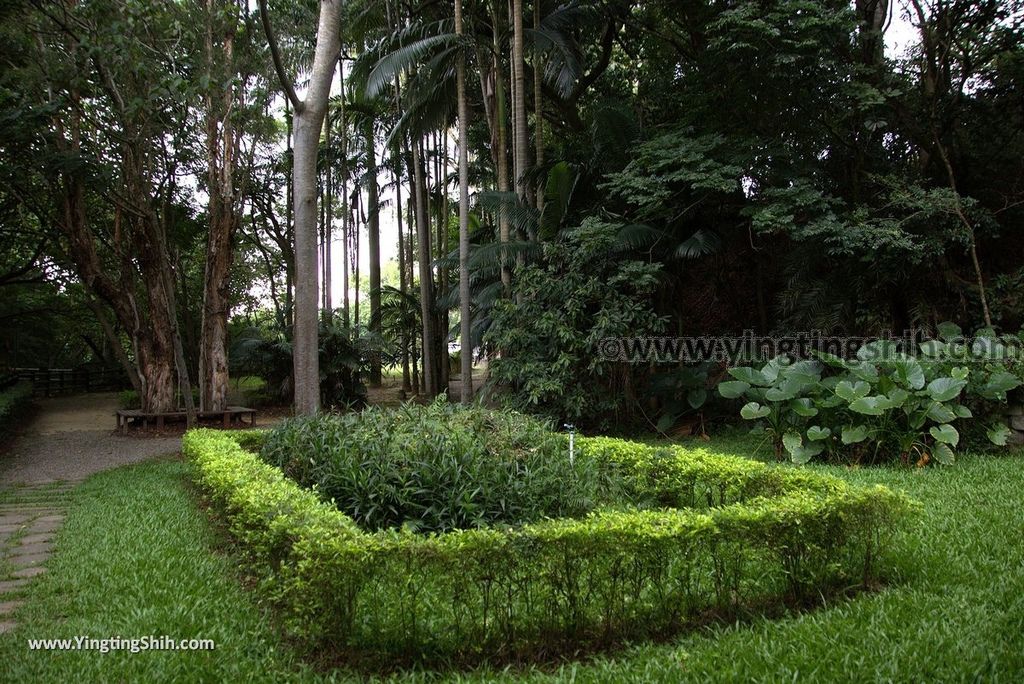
(48, 382)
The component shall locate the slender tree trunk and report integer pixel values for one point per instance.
(465, 320)
(402, 282)
(521, 136)
(430, 377)
(356, 238)
(501, 150)
(442, 326)
(309, 116)
(538, 108)
(328, 221)
(373, 244)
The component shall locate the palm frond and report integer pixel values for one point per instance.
(523, 218)
(701, 243)
(640, 236)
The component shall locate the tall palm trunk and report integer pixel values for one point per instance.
(465, 322)
(538, 108)
(373, 243)
(520, 135)
(429, 347)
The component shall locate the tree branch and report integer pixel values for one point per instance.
(275, 53)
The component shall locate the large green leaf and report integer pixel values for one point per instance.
(798, 451)
(754, 411)
(852, 434)
(696, 397)
(999, 434)
(949, 331)
(932, 348)
(943, 454)
(870, 406)
(876, 351)
(946, 434)
(940, 413)
(944, 389)
(732, 389)
(998, 384)
(852, 392)
(908, 372)
(749, 375)
(803, 407)
(816, 434)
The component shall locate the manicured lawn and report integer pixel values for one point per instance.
(136, 557)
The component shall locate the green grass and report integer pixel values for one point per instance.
(137, 557)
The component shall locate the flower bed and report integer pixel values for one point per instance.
(733, 533)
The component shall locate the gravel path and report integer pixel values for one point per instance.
(69, 439)
(73, 437)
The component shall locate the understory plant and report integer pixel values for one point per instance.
(881, 405)
(437, 467)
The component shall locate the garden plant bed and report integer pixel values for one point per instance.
(732, 534)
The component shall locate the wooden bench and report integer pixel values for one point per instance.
(232, 414)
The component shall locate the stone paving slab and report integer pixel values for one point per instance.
(28, 559)
(24, 549)
(8, 607)
(43, 527)
(42, 538)
(11, 586)
(29, 572)
(14, 518)
(7, 626)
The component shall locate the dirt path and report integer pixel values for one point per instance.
(72, 438)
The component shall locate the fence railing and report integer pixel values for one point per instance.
(48, 382)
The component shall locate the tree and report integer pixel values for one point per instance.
(309, 118)
(465, 315)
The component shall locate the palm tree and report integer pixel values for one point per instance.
(465, 319)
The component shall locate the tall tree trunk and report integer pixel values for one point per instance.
(373, 244)
(402, 281)
(521, 136)
(501, 148)
(429, 352)
(442, 327)
(223, 220)
(538, 108)
(465, 321)
(309, 116)
(356, 236)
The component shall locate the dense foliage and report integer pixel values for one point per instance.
(557, 585)
(14, 404)
(585, 288)
(436, 467)
(885, 404)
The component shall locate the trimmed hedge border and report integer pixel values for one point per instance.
(14, 404)
(737, 533)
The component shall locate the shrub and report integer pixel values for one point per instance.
(436, 467)
(581, 291)
(14, 403)
(882, 405)
(755, 534)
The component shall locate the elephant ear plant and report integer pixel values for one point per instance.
(881, 404)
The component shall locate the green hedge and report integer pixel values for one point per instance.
(14, 404)
(749, 535)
